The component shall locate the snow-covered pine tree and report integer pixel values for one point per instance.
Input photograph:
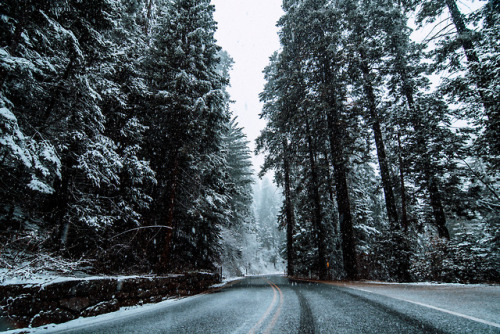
(29, 163)
(186, 114)
(55, 100)
(73, 118)
(120, 79)
(473, 79)
(240, 173)
(239, 180)
(441, 152)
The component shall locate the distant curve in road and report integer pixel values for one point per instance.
(276, 304)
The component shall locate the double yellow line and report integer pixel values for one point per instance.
(277, 312)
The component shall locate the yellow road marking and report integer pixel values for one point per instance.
(271, 306)
(278, 312)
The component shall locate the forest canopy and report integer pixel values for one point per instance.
(120, 154)
(386, 174)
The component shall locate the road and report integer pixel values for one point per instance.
(275, 304)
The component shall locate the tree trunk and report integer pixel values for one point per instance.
(331, 193)
(462, 31)
(165, 255)
(59, 201)
(482, 81)
(317, 216)
(290, 218)
(404, 212)
(336, 138)
(437, 207)
(432, 182)
(390, 202)
(343, 202)
(399, 249)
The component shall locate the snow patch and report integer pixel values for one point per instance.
(45, 279)
(6, 113)
(37, 185)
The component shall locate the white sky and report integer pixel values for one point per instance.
(247, 30)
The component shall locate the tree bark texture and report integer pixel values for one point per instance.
(390, 202)
(482, 81)
(165, 255)
(404, 210)
(437, 207)
(290, 218)
(317, 216)
(343, 201)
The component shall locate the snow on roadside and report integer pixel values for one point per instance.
(226, 281)
(427, 283)
(47, 278)
(230, 280)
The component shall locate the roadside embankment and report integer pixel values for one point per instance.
(23, 305)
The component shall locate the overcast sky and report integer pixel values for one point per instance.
(247, 30)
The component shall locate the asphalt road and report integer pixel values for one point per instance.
(274, 304)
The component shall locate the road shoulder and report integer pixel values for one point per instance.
(477, 302)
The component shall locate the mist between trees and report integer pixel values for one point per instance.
(119, 152)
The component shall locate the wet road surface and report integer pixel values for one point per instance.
(275, 304)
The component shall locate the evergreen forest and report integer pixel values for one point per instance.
(387, 149)
(120, 153)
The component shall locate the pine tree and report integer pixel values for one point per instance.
(240, 174)
(481, 75)
(186, 112)
(239, 180)
(65, 41)
(29, 159)
(305, 103)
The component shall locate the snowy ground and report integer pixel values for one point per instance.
(48, 278)
(51, 279)
(226, 281)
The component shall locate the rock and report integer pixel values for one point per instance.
(103, 307)
(19, 322)
(56, 290)
(102, 289)
(76, 304)
(38, 305)
(51, 317)
(21, 305)
(13, 290)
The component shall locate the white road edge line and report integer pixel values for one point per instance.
(486, 322)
